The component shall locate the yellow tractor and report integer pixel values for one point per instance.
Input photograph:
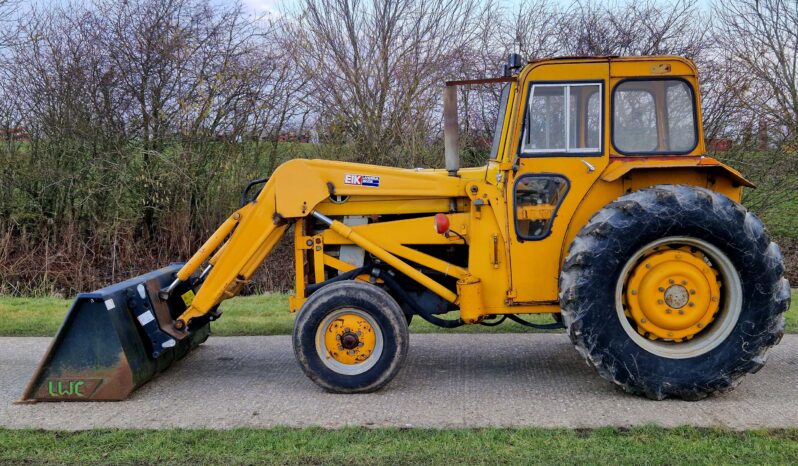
(597, 206)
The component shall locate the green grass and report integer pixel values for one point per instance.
(355, 446)
(265, 314)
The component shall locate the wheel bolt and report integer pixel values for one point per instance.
(648, 266)
(671, 281)
(692, 291)
(634, 292)
(668, 311)
(670, 334)
(700, 325)
(659, 301)
(661, 289)
(643, 320)
(681, 312)
(684, 282)
(691, 304)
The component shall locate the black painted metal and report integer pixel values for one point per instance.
(112, 342)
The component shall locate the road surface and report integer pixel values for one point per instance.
(448, 381)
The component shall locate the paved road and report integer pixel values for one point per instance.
(448, 381)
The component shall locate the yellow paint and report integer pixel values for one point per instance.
(393, 261)
(187, 297)
(672, 294)
(210, 246)
(350, 339)
(472, 306)
(534, 212)
(621, 167)
(495, 272)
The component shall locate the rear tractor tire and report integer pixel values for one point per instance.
(351, 337)
(674, 291)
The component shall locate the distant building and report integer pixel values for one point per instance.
(290, 136)
(14, 134)
(719, 144)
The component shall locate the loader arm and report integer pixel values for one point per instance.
(292, 192)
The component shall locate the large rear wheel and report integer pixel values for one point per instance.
(674, 291)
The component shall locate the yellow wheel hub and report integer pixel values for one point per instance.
(350, 339)
(672, 294)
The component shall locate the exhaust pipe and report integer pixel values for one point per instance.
(450, 130)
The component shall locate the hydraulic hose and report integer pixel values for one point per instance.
(344, 276)
(405, 297)
(551, 326)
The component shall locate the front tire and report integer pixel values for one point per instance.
(674, 291)
(350, 337)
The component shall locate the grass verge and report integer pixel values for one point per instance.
(247, 315)
(354, 446)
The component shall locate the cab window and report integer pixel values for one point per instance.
(653, 117)
(563, 118)
(537, 199)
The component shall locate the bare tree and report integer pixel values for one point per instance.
(759, 43)
(645, 27)
(8, 10)
(377, 67)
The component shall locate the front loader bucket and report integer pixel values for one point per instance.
(114, 340)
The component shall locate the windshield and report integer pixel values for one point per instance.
(497, 132)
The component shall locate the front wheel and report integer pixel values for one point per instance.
(350, 337)
(674, 291)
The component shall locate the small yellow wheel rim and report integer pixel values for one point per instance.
(672, 294)
(349, 338)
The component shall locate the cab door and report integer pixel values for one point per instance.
(562, 149)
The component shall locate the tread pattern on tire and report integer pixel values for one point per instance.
(600, 250)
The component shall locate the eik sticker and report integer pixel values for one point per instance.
(363, 180)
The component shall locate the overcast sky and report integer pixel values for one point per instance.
(274, 6)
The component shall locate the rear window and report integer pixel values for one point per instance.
(654, 116)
